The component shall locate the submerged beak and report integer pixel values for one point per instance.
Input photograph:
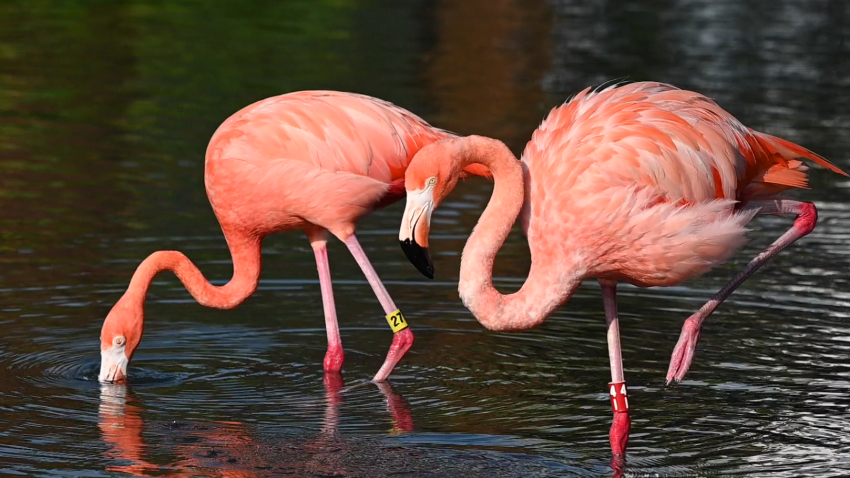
(415, 226)
(113, 365)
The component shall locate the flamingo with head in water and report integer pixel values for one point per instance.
(315, 161)
(641, 183)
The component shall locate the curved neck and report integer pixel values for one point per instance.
(245, 251)
(545, 288)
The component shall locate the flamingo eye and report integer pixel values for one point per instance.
(431, 181)
(119, 340)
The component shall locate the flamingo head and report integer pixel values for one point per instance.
(431, 176)
(120, 335)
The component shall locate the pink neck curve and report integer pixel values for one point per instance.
(245, 252)
(544, 289)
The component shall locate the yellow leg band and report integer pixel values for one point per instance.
(396, 321)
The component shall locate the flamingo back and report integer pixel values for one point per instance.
(657, 135)
(334, 131)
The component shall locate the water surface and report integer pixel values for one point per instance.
(105, 112)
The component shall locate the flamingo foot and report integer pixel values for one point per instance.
(402, 341)
(619, 435)
(334, 358)
(683, 353)
(618, 465)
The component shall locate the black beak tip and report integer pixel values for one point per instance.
(419, 257)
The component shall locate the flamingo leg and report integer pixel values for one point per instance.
(612, 322)
(619, 435)
(807, 216)
(403, 339)
(335, 355)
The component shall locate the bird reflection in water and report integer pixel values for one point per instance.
(224, 448)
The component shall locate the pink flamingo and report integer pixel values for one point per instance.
(643, 183)
(317, 161)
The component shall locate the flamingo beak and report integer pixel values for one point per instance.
(415, 227)
(113, 365)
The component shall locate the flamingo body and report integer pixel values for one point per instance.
(327, 158)
(643, 183)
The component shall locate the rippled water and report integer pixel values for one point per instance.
(105, 112)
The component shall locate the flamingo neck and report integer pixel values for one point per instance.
(546, 287)
(245, 252)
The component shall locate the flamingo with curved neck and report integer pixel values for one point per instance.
(315, 161)
(641, 183)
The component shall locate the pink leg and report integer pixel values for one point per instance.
(619, 435)
(807, 216)
(335, 356)
(403, 339)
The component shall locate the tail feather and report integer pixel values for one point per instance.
(792, 174)
(790, 151)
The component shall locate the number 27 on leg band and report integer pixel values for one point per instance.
(396, 321)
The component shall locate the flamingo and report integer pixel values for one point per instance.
(315, 161)
(641, 183)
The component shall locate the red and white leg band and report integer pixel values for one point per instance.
(619, 397)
